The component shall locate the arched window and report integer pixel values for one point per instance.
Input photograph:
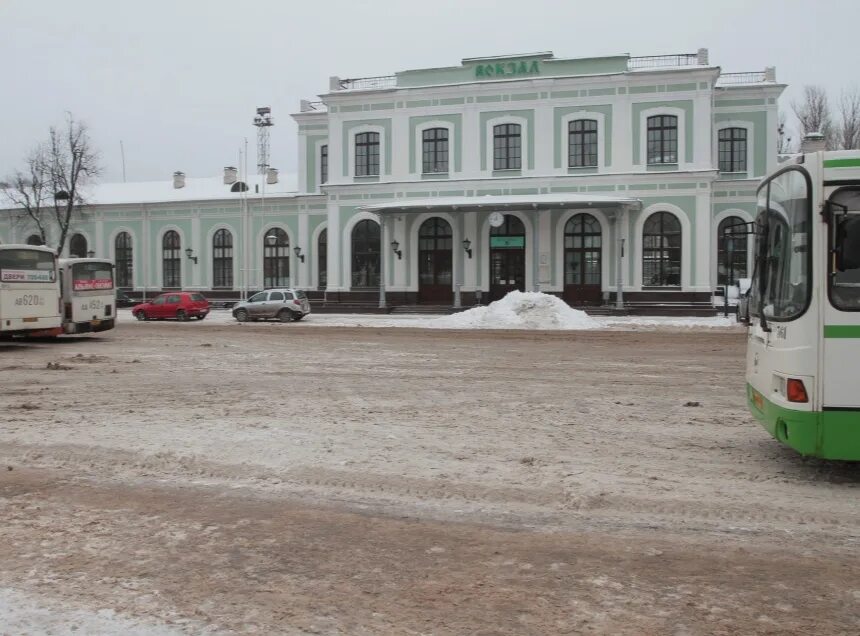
(322, 258)
(582, 243)
(366, 154)
(123, 258)
(276, 258)
(34, 239)
(171, 263)
(582, 143)
(662, 139)
(239, 186)
(731, 250)
(78, 246)
(434, 150)
(661, 251)
(733, 149)
(365, 254)
(507, 147)
(222, 259)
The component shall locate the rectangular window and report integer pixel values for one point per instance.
(844, 214)
(323, 164)
(662, 139)
(366, 154)
(732, 149)
(434, 150)
(582, 143)
(507, 147)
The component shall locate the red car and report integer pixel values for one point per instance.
(178, 305)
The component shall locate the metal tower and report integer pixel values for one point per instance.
(263, 121)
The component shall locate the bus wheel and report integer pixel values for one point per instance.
(140, 315)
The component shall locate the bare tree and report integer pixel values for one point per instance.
(784, 145)
(49, 193)
(848, 128)
(813, 114)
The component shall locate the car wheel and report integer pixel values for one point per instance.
(297, 316)
(241, 315)
(285, 315)
(181, 315)
(140, 315)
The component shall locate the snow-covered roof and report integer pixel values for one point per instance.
(196, 189)
(497, 202)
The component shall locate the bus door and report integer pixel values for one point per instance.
(841, 332)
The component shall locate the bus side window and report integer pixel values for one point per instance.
(848, 244)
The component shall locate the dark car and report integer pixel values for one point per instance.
(177, 305)
(123, 301)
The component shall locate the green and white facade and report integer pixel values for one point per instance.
(410, 168)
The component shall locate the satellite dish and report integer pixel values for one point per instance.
(497, 219)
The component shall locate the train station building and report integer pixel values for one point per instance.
(597, 179)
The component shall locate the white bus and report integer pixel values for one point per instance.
(89, 298)
(803, 313)
(29, 291)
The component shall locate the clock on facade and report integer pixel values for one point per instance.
(497, 219)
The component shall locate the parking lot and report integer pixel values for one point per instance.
(287, 478)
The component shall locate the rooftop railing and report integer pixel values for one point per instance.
(663, 61)
(751, 77)
(366, 83)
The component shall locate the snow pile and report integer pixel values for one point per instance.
(520, 310)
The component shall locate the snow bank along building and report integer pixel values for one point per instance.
(454, 185)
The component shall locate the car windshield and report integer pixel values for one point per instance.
(300, 294)
(197, 297)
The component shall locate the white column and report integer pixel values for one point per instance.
(472, 143)
(702, 250)
(622, 135)
(304, 242)
(544, 139)
(195, 242)
(400, 147)
(335, 247)
(100, 248)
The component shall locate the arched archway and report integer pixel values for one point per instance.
(583, 243)
(366, 240)
(661, 250)
(731, 250)
(78, 246)
(435, 261)
(35, 239)
(276, 258)
(507, 257)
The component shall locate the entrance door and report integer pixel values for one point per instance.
(582, 262)
(435, 271)
(507, 257)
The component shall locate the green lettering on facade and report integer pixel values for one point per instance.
(507, 69)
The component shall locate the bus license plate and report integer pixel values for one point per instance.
(95, 323)
(30, 320)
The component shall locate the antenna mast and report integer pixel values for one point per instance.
(263, 121)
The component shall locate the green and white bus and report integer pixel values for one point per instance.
(803, 310)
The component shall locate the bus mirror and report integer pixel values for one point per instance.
(847, 244)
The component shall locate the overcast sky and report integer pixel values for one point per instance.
(178, 80)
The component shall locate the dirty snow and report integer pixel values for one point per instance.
(520, 310)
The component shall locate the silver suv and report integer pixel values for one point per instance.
(283, 304)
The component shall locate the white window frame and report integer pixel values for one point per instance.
(318, 163)
(353, 133)
(524, 142)
(750, 128)
(419, 146)
(600, 118)
(681, 114)
(210, 256)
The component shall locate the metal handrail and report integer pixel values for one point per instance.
(750, 77)
(316, 105)
(660, 61)
(380, 81)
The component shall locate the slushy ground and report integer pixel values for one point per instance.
(211, 477)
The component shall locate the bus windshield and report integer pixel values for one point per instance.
(21, 265)
(89, 276)
(845, 248)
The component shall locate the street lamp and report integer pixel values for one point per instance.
(298, 252)
(190, 254)
(467, 246)
(395, 248)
